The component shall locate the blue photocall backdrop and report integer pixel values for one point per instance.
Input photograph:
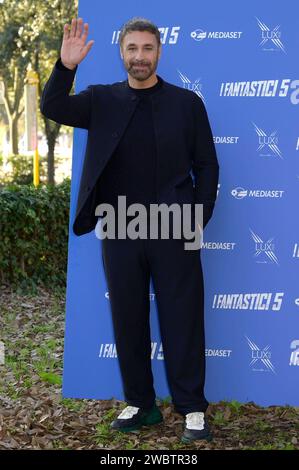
(243, 62)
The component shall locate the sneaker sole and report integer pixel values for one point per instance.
(138, 426)
(186, 440)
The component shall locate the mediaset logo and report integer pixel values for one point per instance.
(192, 86)
(241, 193)
(294, 359)
(248, 301)
(262, 89)
(297, 302)
(218, 245)
(267, 142)
(297, 145)
(169, 35)
(226, 139)
(199, 34)
(224, 353)
(260, 357)
(264, 250)
(271, 38)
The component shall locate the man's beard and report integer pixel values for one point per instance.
(142, 73)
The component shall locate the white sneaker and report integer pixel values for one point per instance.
(195, 420)
(128, 412)
(132, 418)
(196, 427)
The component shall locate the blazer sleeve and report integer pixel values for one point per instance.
(59, 106)
(205, 164)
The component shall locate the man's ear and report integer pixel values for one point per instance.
(121, 54)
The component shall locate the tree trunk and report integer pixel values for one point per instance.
(52, 130)
(13, 135)
(51, 138)
(13, 111)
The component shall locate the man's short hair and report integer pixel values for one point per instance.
(139, 24)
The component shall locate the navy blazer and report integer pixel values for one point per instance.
(183, 137)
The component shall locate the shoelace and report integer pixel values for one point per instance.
(195, 420)
(128, 412)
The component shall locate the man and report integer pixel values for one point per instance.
(145, 138)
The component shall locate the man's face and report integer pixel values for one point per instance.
(140, 53)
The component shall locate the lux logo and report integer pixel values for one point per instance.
(261, 355)
(270, 141)
(271, 34)
(267, 140)
(195, 86)
(268, 35)
(264, 247)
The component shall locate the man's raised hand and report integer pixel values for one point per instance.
(74, 47)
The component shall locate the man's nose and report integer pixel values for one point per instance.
(139, 54)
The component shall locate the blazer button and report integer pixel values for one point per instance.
(115, 134)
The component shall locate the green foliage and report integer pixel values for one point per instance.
(166, 400)
(31, 32)
(235, 406)
(219, 418)
(34, 235)
(30, 37)
(21, 169)
(51, 378)
(73, 405)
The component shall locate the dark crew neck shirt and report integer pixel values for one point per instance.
(131, 170)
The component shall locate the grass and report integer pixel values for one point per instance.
(73, 405)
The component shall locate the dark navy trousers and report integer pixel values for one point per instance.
(178, 284)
